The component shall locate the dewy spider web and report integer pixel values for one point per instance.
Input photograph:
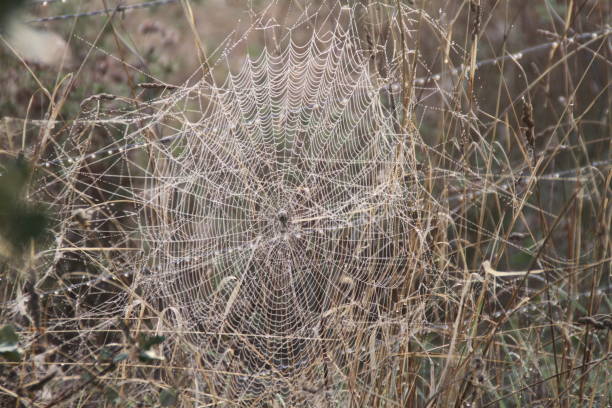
(283, 196)
(283, 203)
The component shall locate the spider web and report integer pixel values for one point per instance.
(280, 201)
(262, 218)
(265, 219)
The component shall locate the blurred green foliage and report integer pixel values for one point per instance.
(145, 353)
(9, 344)
(21, 221)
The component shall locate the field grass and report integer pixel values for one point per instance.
(487, 283)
